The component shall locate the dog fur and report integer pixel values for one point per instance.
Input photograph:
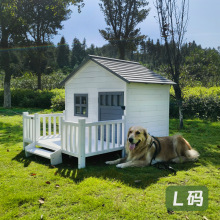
(140, 149)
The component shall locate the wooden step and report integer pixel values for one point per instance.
(40, 152)
(54, 156)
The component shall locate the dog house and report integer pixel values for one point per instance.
(103, 98)
(103, 89)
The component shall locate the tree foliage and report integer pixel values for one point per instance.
(122, 18)
(63, 53)
(78, 53)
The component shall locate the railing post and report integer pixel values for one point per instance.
(63, 135)
(37, 126)
(81, 143)
(124, 135)
(24, 128)
(64, 112)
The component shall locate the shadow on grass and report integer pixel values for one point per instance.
(202, 135)
(96, 167)
(134, 177)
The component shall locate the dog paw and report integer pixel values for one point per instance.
(120, 165)
(108, 162)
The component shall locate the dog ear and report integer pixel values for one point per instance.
(129, 131)
(145, 133)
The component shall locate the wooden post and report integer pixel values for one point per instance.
(63, 135)
(24, 128)
(124, 135)
(37, 126)
(81, 144)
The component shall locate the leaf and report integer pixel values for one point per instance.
(48, 182)
(41, 201)
(33, 174)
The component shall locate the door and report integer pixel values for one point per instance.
(111, 107)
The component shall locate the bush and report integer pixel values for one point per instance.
(198, 102)
(29, 81)
(58, 100)
(36, 98)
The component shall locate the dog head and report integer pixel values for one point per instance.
(136, 137)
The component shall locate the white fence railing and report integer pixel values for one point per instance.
(80, 139)
(83, 139)
(40, 125)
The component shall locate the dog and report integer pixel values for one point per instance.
(142, 149)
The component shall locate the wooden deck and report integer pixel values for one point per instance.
(79, 139)
(54, 143)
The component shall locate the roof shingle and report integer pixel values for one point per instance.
(128, 71)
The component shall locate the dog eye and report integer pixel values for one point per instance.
(137, 132)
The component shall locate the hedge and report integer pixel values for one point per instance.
(27, 98)
(198, 102)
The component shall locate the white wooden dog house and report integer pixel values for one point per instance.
(103, 98)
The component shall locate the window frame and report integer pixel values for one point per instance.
(81, 105)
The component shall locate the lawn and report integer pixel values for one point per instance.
(32, 189)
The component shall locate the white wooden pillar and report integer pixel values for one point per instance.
(124, 135)
(81, 144)
(37, 126)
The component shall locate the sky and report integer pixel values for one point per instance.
(203, 25)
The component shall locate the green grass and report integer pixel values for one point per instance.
(100, 191)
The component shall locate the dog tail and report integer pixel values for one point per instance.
(192, 155)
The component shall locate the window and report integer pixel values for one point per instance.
(81, 105)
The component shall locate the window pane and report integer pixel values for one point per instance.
(84, 100)
(84, 110)
(77, 110)
(77, 99)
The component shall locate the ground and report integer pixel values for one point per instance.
(32, 189)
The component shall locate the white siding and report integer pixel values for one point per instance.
(148, 106)
(90, 79)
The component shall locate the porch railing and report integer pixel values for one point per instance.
(40, 125)
(83, 139)
(80, 139)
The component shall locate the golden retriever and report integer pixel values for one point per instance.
(141, 149)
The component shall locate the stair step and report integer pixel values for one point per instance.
(40, 152)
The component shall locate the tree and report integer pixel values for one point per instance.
(42, 19)
(78, 53)
(25, 21)
(122, 17)
(173, 18)
(9, 29)
(63, 53)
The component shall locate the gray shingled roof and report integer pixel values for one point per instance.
(127, 70)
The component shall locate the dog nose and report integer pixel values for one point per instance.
(131, 140)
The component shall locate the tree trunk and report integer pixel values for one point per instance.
(39, 70)
(7, 90)
(121, 49)
(5, 63)
(178, 95)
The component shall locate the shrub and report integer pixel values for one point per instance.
(29, 81)
(36, 98)
(58, 100)
(198, 102)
